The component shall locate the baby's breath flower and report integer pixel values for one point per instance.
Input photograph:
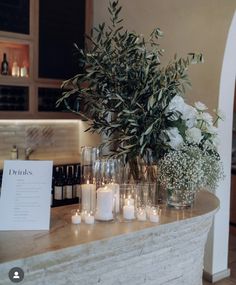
(191, 168)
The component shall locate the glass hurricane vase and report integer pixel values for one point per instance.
(180, 199)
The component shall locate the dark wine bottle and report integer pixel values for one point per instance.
(59, 185)
(78, 182)
(70, 184)
(4, 65)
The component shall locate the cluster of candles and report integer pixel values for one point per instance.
(78, 217)
(149, 212)
(107, 205)
(103, 198)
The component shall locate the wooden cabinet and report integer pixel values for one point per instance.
(41, 46)
(61, 23)
(15, 16)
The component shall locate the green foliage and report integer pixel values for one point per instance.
(125, 89)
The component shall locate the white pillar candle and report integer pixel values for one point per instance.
(76, 218)
(104, 204)
(89, 219)
(129, 201)
(88, 196)
(128, 212)
(116, 196)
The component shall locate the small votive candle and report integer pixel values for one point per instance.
(128, 210)
(89, 219)
(154, 215)
(75, 218)
(141, 214)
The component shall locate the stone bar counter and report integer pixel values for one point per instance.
(170, 252)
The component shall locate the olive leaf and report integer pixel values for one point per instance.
(124, 88)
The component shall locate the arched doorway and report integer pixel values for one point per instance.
(216, 256)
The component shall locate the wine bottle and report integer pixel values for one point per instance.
(70, 184)
(78, 182)
(4, 65)
(59, 185)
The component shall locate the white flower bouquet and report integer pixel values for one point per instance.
(190, 168)
(192, 161)
(189, 125)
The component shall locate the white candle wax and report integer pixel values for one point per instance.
(141, 216)
(154, 217)
(104, 204)
(148, 211)
(76, 219)
(88, 196)
(129, 201)
(83, 215)
(89, 219)
(116, 196)
(128, 212)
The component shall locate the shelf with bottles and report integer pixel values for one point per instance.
(66, 185)
(15, 60)
(14, 98)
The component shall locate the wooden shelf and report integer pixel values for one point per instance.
(24, 49)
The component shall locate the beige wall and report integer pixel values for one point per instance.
(87, 138)
(188, 25)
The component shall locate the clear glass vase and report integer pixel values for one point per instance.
(143, 172)
(180, 199)
(108, 189)
(139, 170)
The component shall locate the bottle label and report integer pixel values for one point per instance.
(58, 192)
(78, 190)
(69, 191)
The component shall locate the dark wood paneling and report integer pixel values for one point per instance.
(14, 16)
(61, 24)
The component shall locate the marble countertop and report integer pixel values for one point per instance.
(62, 234)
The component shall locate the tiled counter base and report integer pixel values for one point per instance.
(170, 252)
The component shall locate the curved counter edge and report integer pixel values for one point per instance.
(136, 253)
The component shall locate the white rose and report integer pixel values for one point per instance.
(206, 117)
(189, 115)
(200, 106)
(176, 104)
(194, 135)
(175, 139)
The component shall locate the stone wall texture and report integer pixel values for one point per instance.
(169, 254)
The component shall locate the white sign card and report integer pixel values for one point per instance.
(26, 195)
